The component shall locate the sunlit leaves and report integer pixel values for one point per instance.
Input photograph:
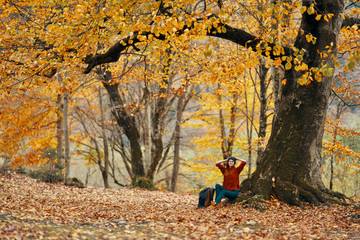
(302, 9)
(310, 38)
(26, 127)
(42, 36)
(327, 17)
(288, 66)
(310, 10)
(318, 17)
(314, 73)
(340, 143)
(327, 71)
(336, 145)
(305, 79)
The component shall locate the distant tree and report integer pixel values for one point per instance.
(336, 148)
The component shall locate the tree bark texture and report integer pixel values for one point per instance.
(227, 141)
(105, 170)
(59, 133)
(147, 134)
(263, 70)
(250, 112)
(158, 121)
(66, 135)
(176, 165)
(127, 123)
(232, 127)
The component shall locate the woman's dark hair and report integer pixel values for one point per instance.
(230, 158)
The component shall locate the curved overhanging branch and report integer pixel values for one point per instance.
(227, 32)
(232, 34)
(248, 40)
(113, 54)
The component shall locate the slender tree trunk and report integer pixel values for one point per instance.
(337, 117)
(331, 172)
(158, 121)
(276, 73)
(227, 142)
(249, 125)
(105, 170)
(66, 135)
(59, 134)
(147, 122)
(222, 128)
(167, 179)
(147, 133)
(263, 70)
(232, 128)
(179, 112)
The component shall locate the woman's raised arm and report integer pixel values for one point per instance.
(221, 161)
(240, 159)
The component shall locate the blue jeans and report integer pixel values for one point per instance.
(221, 192)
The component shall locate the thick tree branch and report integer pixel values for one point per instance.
(235, 35)
(232, 34)
(247, 40)
(113, 54)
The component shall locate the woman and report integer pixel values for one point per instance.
(231, 174)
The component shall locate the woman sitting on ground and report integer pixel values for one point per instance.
(231, 185)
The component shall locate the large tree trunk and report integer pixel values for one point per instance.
(127, 123)
(290, 166)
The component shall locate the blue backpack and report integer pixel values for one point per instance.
(206, 195)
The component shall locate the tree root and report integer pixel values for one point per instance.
(292, 193)
(336, 197)
(251, 201)
(287, 192)
(307, 196)
(74, 182)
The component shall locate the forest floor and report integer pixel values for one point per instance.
(30, 209)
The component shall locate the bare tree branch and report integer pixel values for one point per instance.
(350, 21)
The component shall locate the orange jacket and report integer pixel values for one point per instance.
(231, 176)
